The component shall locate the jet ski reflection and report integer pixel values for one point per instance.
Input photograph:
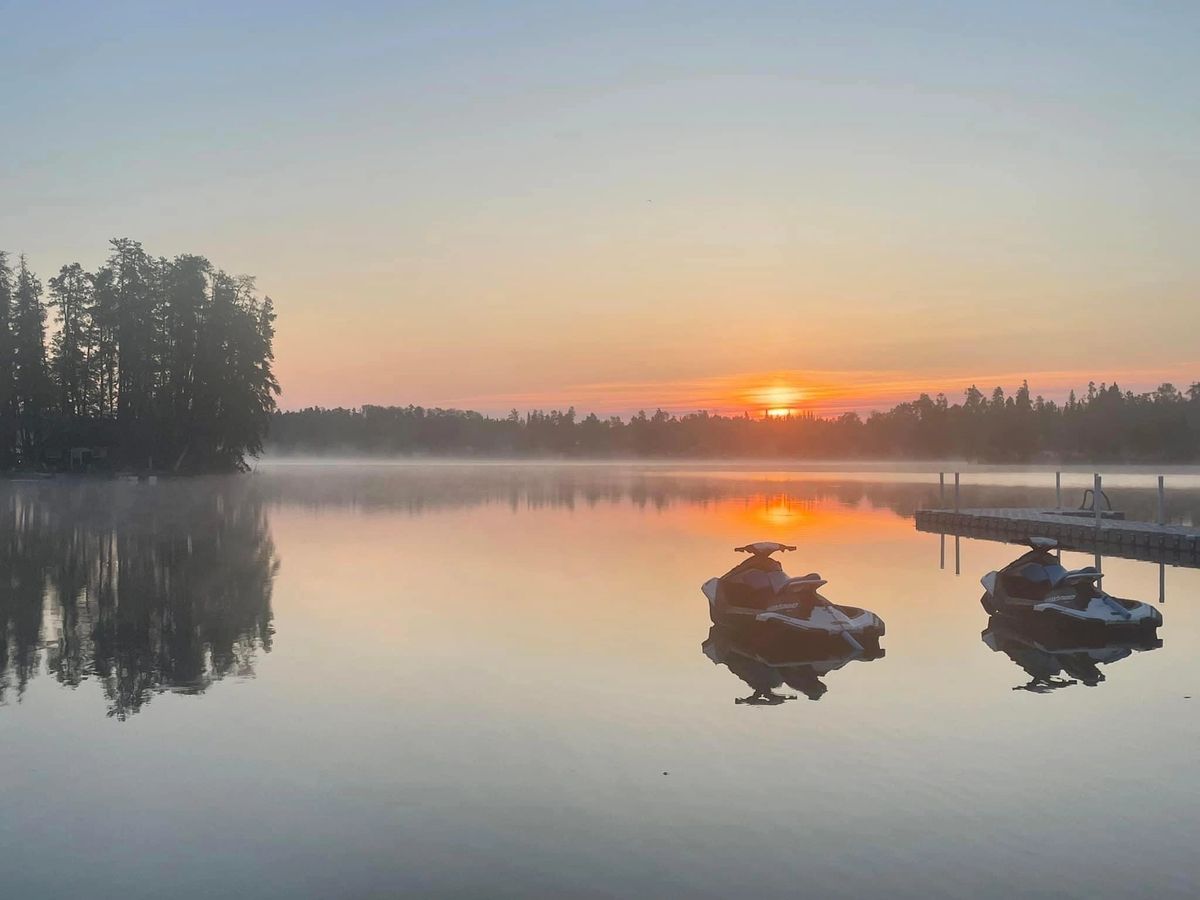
(1054, 659)
(767, 663)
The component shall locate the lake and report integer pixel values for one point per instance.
(498, 680)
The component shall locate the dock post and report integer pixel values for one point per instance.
(942, 562)
(1096, 497)
(1162, 583)
(1058, 490)
(1162, 503)
(957, 557)
(956, 492)
(941, 490)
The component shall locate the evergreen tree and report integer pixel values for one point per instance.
(71, 365)
(162, 363)
(186, 285)
(104, 341)
(8, 410)
(31, 386)
(134, 310)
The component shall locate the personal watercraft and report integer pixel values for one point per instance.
(758, 596)
(765, 665)
(1036, 588)
(1053, 660)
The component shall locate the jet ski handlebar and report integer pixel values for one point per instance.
(763, 548)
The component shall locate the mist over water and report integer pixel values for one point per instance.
(499, 680)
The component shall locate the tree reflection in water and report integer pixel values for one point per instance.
(146, 588)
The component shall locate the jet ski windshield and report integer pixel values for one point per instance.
(1041, 576)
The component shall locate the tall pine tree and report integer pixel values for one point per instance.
(8, 409)
(31, 386)
(71, 349)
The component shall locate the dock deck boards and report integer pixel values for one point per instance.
(1116, 536)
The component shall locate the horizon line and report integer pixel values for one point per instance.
(821, 402)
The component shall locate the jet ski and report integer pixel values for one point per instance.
(758, 596)
(766, 665)
(1053, 660)
(1037, 588)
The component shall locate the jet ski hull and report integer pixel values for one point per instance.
(778, 647)
(1052, 636)
(1066, 625)
(777, 628)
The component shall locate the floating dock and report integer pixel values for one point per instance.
(1113, 535)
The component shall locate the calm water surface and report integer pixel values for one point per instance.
(323, 681)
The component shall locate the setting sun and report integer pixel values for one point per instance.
(779, 399)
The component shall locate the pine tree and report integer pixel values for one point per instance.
(29, 360)
(8, 413)
(104, 342)
(134, 310)
(71, 349)
(185, 305)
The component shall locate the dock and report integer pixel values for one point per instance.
(1109, 534)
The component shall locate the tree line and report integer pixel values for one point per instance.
(1105, 424)
(146, 363)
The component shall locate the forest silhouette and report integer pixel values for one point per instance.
(150, 364)
(1105, 424)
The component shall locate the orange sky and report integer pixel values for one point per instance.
(505, 205)
(823, 393)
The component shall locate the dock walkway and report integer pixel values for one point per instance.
(1115, 535)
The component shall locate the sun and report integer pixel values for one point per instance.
(779, 399)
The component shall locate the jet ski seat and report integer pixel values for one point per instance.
(780, 583)
(1056, 572)
(809, 582)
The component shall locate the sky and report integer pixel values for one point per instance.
(826, 205)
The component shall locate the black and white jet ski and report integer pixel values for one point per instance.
(1053, 659)
(757, 595)
(766, 665)
(1036, 587)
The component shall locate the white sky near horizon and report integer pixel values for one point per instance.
(622, 205)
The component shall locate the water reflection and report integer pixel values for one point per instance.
(766, 665)
(1057, 660)
(144, 589)
(423, 489)
(416, 637)
(778, 497)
